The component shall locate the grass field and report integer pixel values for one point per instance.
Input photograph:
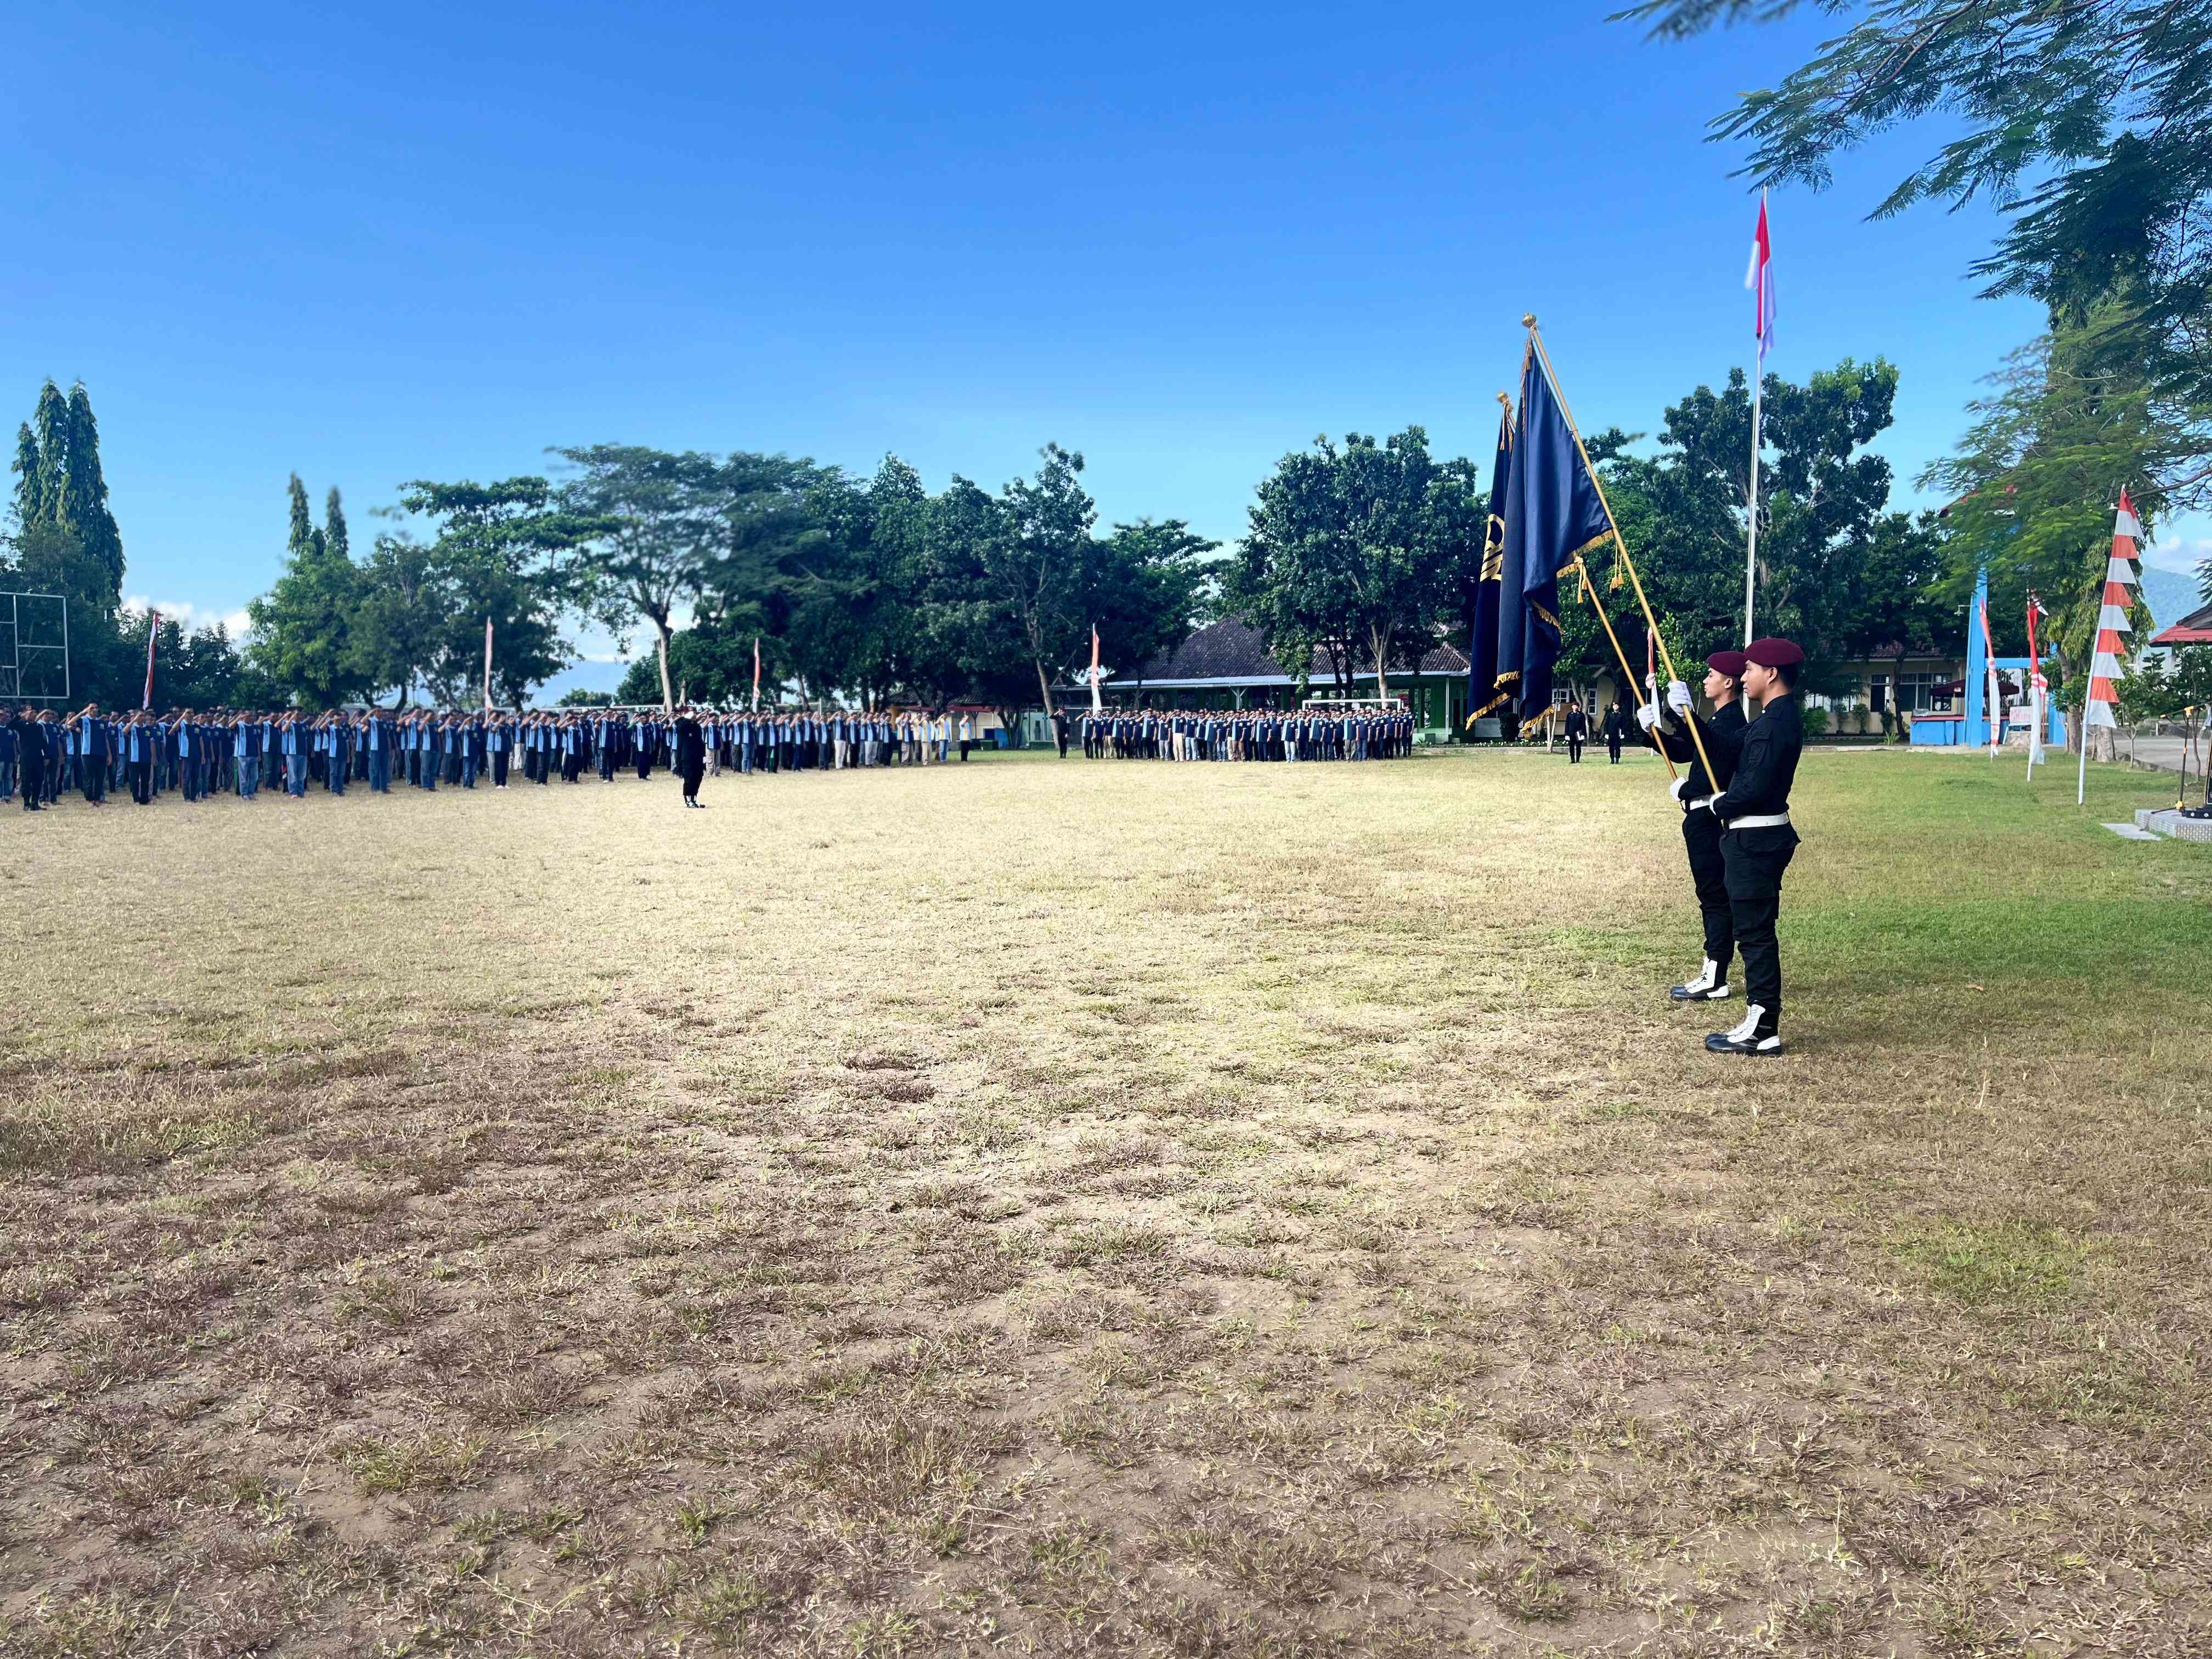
(1078, 1208)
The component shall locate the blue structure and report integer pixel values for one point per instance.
(1949, 731)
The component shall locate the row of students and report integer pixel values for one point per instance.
(45, 755)
(1306, 734)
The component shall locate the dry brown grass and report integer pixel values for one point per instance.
(1080, 1209)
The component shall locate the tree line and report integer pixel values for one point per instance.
(870, 589)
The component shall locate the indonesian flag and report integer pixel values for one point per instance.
(2036, 613)
(1759, 279)
(2105, 671)
(153, 627)
(755, 670)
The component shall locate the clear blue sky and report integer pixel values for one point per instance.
(375, 244)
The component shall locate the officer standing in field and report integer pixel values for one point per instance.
(1577, 728)
(690, 753)
(1723, 737)
(1756, 840)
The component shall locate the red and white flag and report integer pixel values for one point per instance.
(1759, 279)
(1094, 668)
(2036, 613)
(2105, 671)
(755, 670)
(153, 628)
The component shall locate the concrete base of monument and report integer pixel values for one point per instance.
(2172, 824)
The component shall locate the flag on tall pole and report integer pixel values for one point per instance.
(1759, 279)
(487, 684)
(2104, 670)
(1094, 668)
(2039, 692)
(1483, 695)
(757, 671)
(153, 628)
(1994, 691)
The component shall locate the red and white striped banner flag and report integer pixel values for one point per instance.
(152, 630)
(2120, 578)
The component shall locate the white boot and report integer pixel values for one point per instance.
(1757, 1033)
(1708, 986)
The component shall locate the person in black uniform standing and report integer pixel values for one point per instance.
(1615, 729)
(1756, 840)
(1723, 737)
(1578, 733)
(690, 754)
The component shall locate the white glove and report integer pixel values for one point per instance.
(1675, 787)
(1646, 715)
(1678, 696)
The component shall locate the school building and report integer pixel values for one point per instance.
(1226, 664)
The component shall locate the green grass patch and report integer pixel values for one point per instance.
(2009, 1263)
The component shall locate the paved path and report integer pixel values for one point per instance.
(2166, 753)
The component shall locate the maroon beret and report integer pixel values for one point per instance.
(1772, 654)
(1729, 663)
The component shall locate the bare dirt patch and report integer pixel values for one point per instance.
(1070, 1209)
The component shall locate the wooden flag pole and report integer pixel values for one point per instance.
(1582, 572)
(1620, 543)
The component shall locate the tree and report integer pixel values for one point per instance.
(659, 531)
(84, 505)
(403, 619)
(304, 626)
(854, 615)
(1142, 586)
(1035, 569)
(1005, 583)
(2103, 101)
(508, 553)
(1335, 558)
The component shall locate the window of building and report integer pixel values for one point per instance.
(1924, 694)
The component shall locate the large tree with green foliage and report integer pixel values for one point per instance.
(660, 533)
(1341, 555)
(304, 628)
(63, 537)
(508, 553)
(1004, 589)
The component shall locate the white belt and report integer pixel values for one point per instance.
(1760, 821)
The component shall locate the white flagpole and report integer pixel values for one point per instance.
(1761, 257)
(1751, 548)
(487, 686)
(2081, 767)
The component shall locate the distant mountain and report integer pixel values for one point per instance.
(2171, 593)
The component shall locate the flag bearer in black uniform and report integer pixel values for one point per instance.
(1577, 732)
(1756, 840)
(690, 753)
(1723, 735)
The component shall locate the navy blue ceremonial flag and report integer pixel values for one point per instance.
(1483, 696)
(1553, 514)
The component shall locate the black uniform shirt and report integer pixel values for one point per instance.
(1766, 764)
(1723, 740)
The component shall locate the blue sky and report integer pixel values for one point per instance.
(376, 244)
